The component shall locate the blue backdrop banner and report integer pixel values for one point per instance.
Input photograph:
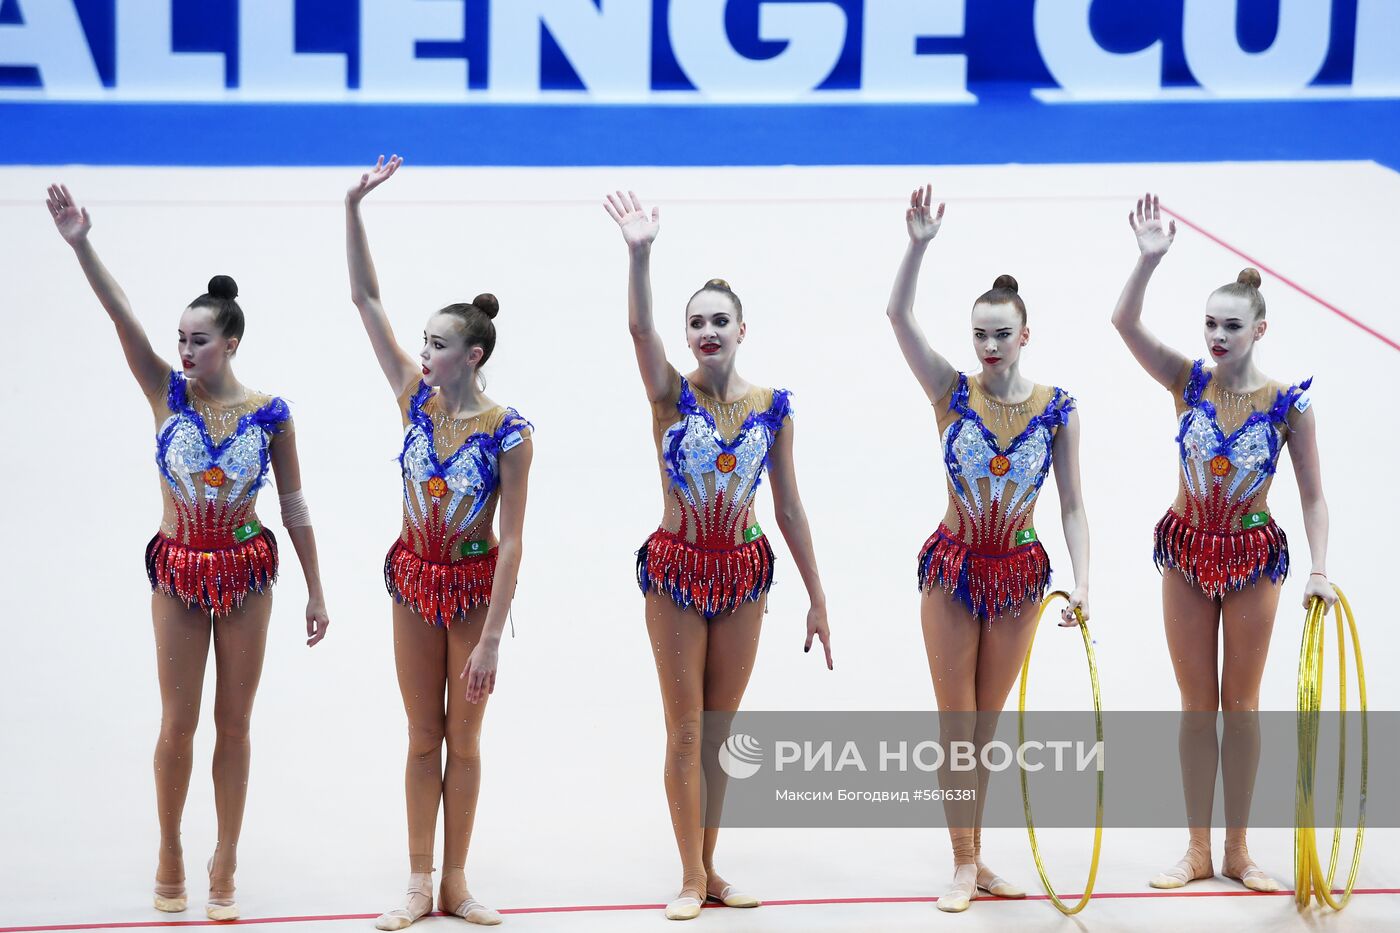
(786, 80)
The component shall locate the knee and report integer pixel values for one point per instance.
(1200, 701)
(1232, 702)
(232, 725)
(178, 727)
(464, 744)
(425, 738)
(683, 737)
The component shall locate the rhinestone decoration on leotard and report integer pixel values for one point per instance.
(211, 551)
(1224, 478)
(714, 458)
(993, 489)
(444, 496)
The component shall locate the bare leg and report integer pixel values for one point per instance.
(420, 659)
(729, 659)
(461, 782)
(951, 640)
(1249, 623)
(240, 642)
(182, 652)
(1005, 641)
(678, 642)
(1192, 621)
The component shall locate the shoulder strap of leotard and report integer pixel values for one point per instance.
(1196, 383)
(1295, 395)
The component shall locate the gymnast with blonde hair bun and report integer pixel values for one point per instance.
(1222, 556)
(983, 572)
(706, 571)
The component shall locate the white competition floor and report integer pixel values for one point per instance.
(573, 813)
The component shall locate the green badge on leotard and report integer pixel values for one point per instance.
(1254, 520)
(1025, 536)
(475, 548)
(752, 533)
(250, 530)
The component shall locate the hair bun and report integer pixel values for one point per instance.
(223, 286)
(487, 304)
(718, 283)
(1250, 277)
(1007, 282)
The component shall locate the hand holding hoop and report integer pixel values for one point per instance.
(1060, 905)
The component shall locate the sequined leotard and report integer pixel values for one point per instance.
(986, 553)
(211, 549)
(444, 561)
(1218, 532)
(709, 552)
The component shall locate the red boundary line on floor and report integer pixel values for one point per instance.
(1284, 279)
(609, 907)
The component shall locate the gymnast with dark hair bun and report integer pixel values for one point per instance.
(983, 572)
(1222, 556)
(212, 564)
(706, 571)
(464, 457)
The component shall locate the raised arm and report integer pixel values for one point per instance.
(73, 225)
(398, 366)
(1161, 362)
(638, 232)
(933, 371)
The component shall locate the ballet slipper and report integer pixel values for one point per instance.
(170, 897)
(683, 908)
(1183, 873)
(1255, 879)
(687, 906)
(731, 896)
(473, 911)
(995, 885)
(963, 892)
(221, 905)
(418, 905)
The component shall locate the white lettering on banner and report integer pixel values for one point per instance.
(1081, 66)
(1377, 66)
(610, 45)
(890, 65)
(146, 63)
(389, 33)
(1287, 66)
(815, 33)
(50, 37)
(268, 63)
(609, 48)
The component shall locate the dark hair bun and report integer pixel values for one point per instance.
(1007, 282)
(487, 304)
(1250, 277)
(718, 283)
(223, 286)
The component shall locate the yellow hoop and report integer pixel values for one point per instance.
(1025, 790)
(1308, 878)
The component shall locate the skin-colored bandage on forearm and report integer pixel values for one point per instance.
(294, 510)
